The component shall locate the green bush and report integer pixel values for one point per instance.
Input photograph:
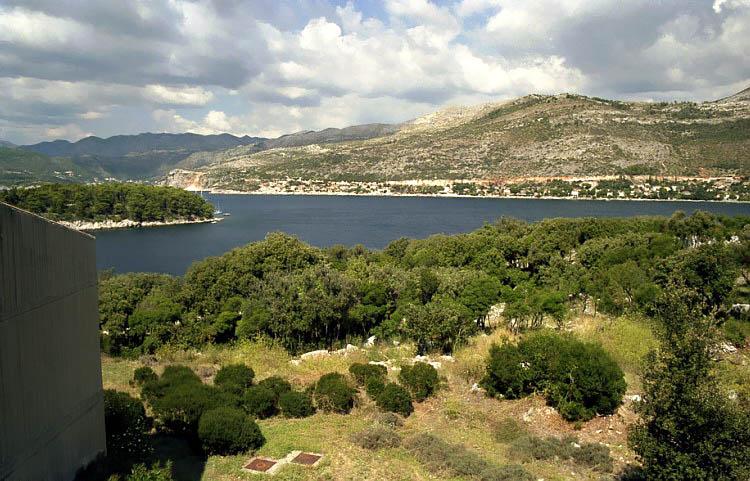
(333, 393)
(260, 402)
(234, 378)
(276, 384)
(592, 455)
(506, 374)
(580, 379)
(294, 404)
(228, 431)
(144, 374)
(376, 437)
(172, 377)
(421, 380)
(396, 399)
(126, 426)
(182, 405)
(362, 372)
(374, 386)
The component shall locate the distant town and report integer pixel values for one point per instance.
(604, 187)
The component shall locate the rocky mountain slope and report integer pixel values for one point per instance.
(533, 136)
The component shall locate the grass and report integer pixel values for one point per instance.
(457, 416)
(627, 339)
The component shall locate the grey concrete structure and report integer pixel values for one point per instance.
(51, 399)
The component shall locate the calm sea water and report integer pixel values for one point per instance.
(349, 220)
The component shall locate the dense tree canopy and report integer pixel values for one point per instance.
(111, 201)
(435, 291)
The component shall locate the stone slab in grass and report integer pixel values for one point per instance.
(262, 465)
(307, 459)
(270, 466)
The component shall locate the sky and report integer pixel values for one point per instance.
(73, 68)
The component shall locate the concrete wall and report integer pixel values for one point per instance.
(51, 401)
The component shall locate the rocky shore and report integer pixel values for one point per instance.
(128, 223)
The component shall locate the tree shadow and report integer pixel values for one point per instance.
(188, 462)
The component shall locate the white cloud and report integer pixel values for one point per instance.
(162, 94)
(37, 29)
(720, 5)
(92, 115)
(467, 8)
(287, 65)
(214, 122)
(71, 132)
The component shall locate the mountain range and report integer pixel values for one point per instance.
(535, 135)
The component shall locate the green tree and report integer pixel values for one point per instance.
(689, 429)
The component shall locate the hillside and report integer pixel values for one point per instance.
(19, 167)
(150, 155)
(137, 157)
(299, 139)
(533, 136)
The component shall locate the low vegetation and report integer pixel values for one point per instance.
(377, 437)
(455, 460)
(548, 374)
(592, 455)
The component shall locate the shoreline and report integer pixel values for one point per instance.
(461, 196)
(87, 226)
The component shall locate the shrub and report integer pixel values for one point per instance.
(260, 402)
(294, 404)
(506, 374)
(507, 430)
(334, 394)
(177, 374)
(376, 437)
(396, 399)
(228, 431)
(579, 379)
(144, 374)
(276, 384)
(234, 378)
(592, 455)
(172, 376)
(182, 406)
(374, 386)
(126, 425)
(389, 419)
(421, 380)
(362, 372)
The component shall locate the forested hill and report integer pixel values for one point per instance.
(109, 202)
(20, 167)
(152, 155)
(132, 157)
